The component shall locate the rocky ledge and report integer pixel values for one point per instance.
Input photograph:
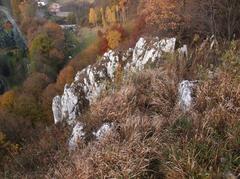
(91, 81)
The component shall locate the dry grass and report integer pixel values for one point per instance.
(153, 138)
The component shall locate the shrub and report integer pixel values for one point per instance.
(35, 84)
(231, 59)
(27, 106)
(7, 100)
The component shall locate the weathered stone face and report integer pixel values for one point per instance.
(185, 90)
(149, 52)
(91, 81)
(86, 87)
(104, 130)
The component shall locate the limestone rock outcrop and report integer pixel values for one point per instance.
(91, 81)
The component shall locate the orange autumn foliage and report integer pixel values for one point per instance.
(65, 76)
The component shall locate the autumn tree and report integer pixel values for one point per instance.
(27, 10)
(114, 38)
(27, 106)
(47, 49)
(162, 15)
(220, 18)
(110, 15)
(53, 30)
(65, 76)
(138, 30)
(41, 44)
(113, 17)
(7, 100)
(123, 9)
(103, 45)
(104, 23)
(15, 8)
(35, 84)
(92, 16)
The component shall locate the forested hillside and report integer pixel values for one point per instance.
(120, 89)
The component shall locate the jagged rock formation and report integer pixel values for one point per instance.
(86, 87)
(91, 81)
(148, 52)
(77, 134)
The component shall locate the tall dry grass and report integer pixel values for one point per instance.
(152, 137)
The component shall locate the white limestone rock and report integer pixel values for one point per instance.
(87, 86)
(57, 109)
(77, 135)
(185, 94)
(69, 103)
(90, 82)
(103, 130)
(148, 52)
(183, 50)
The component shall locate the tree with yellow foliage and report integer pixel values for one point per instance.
(117, 12)
(111, 15)
(92, 16)
(104, 23)
(114, 38)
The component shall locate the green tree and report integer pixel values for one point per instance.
(41, 45)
